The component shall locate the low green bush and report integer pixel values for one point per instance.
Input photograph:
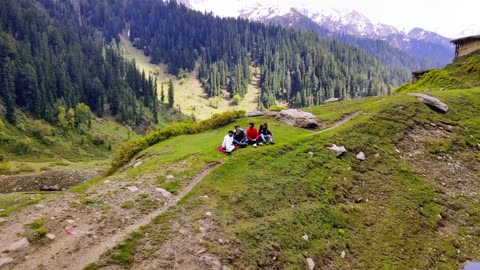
(130, 148)
(25, 168)
(276, 108)
(5, 168)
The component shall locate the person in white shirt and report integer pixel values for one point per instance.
(227, 144)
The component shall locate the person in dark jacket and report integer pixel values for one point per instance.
(239, 137)
(265, 134)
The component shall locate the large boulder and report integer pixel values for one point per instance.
(299, 118)
(255, 114)
(431, 101)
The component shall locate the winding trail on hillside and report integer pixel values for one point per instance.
(56, 257)
(339, 123)
(92, 255)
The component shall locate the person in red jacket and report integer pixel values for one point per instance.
(252, 135)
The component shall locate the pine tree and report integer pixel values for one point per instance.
(171, 99)
(162, 95)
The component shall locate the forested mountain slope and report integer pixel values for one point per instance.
(51, 61)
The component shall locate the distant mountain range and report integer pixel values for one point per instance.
(332, 22)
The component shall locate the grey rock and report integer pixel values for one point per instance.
(431, 101)
(299, 118)
(255, 114)
(20, 244)
(51, 236)
(50, 188)
(132, 189)
(2, 220)
(164, 192)
(2, 210)
(271, 113)
(361, 156)
(338, 150)
(311, 154)
(305, 236)
(5, 260)
(138, 163)
(211, 261)
(311, 263)
(343, 254)
(331, 100)
(170, 177)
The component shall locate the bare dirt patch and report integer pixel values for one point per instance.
(47, 181)
(453, 170)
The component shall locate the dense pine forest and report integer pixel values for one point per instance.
(51, 63)
(295, 66)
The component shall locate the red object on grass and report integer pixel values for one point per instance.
(221, 150)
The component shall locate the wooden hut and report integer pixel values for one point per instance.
(417, 75)
(466, 45)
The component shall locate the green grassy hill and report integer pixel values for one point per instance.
(412, 204)
(35, 145)
(464, 72)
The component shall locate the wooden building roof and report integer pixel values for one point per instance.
(420, 72)
(465, 39)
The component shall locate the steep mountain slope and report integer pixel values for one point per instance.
(464, 72)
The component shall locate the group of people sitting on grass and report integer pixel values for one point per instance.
(240, 139)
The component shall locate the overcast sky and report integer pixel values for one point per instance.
(447, 17)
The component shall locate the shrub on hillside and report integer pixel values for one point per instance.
(276, 108)
(5, 168)
(127, 150)
(23, 147)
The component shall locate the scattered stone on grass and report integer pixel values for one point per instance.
(311, 154)
(132, 189)
(331, 100)
(20, 244)
(164, 192)
(338, 150)
(343, 254)
(361, 156)
(170, 177)
(305, 236)
(5, 260)
(311, 263)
